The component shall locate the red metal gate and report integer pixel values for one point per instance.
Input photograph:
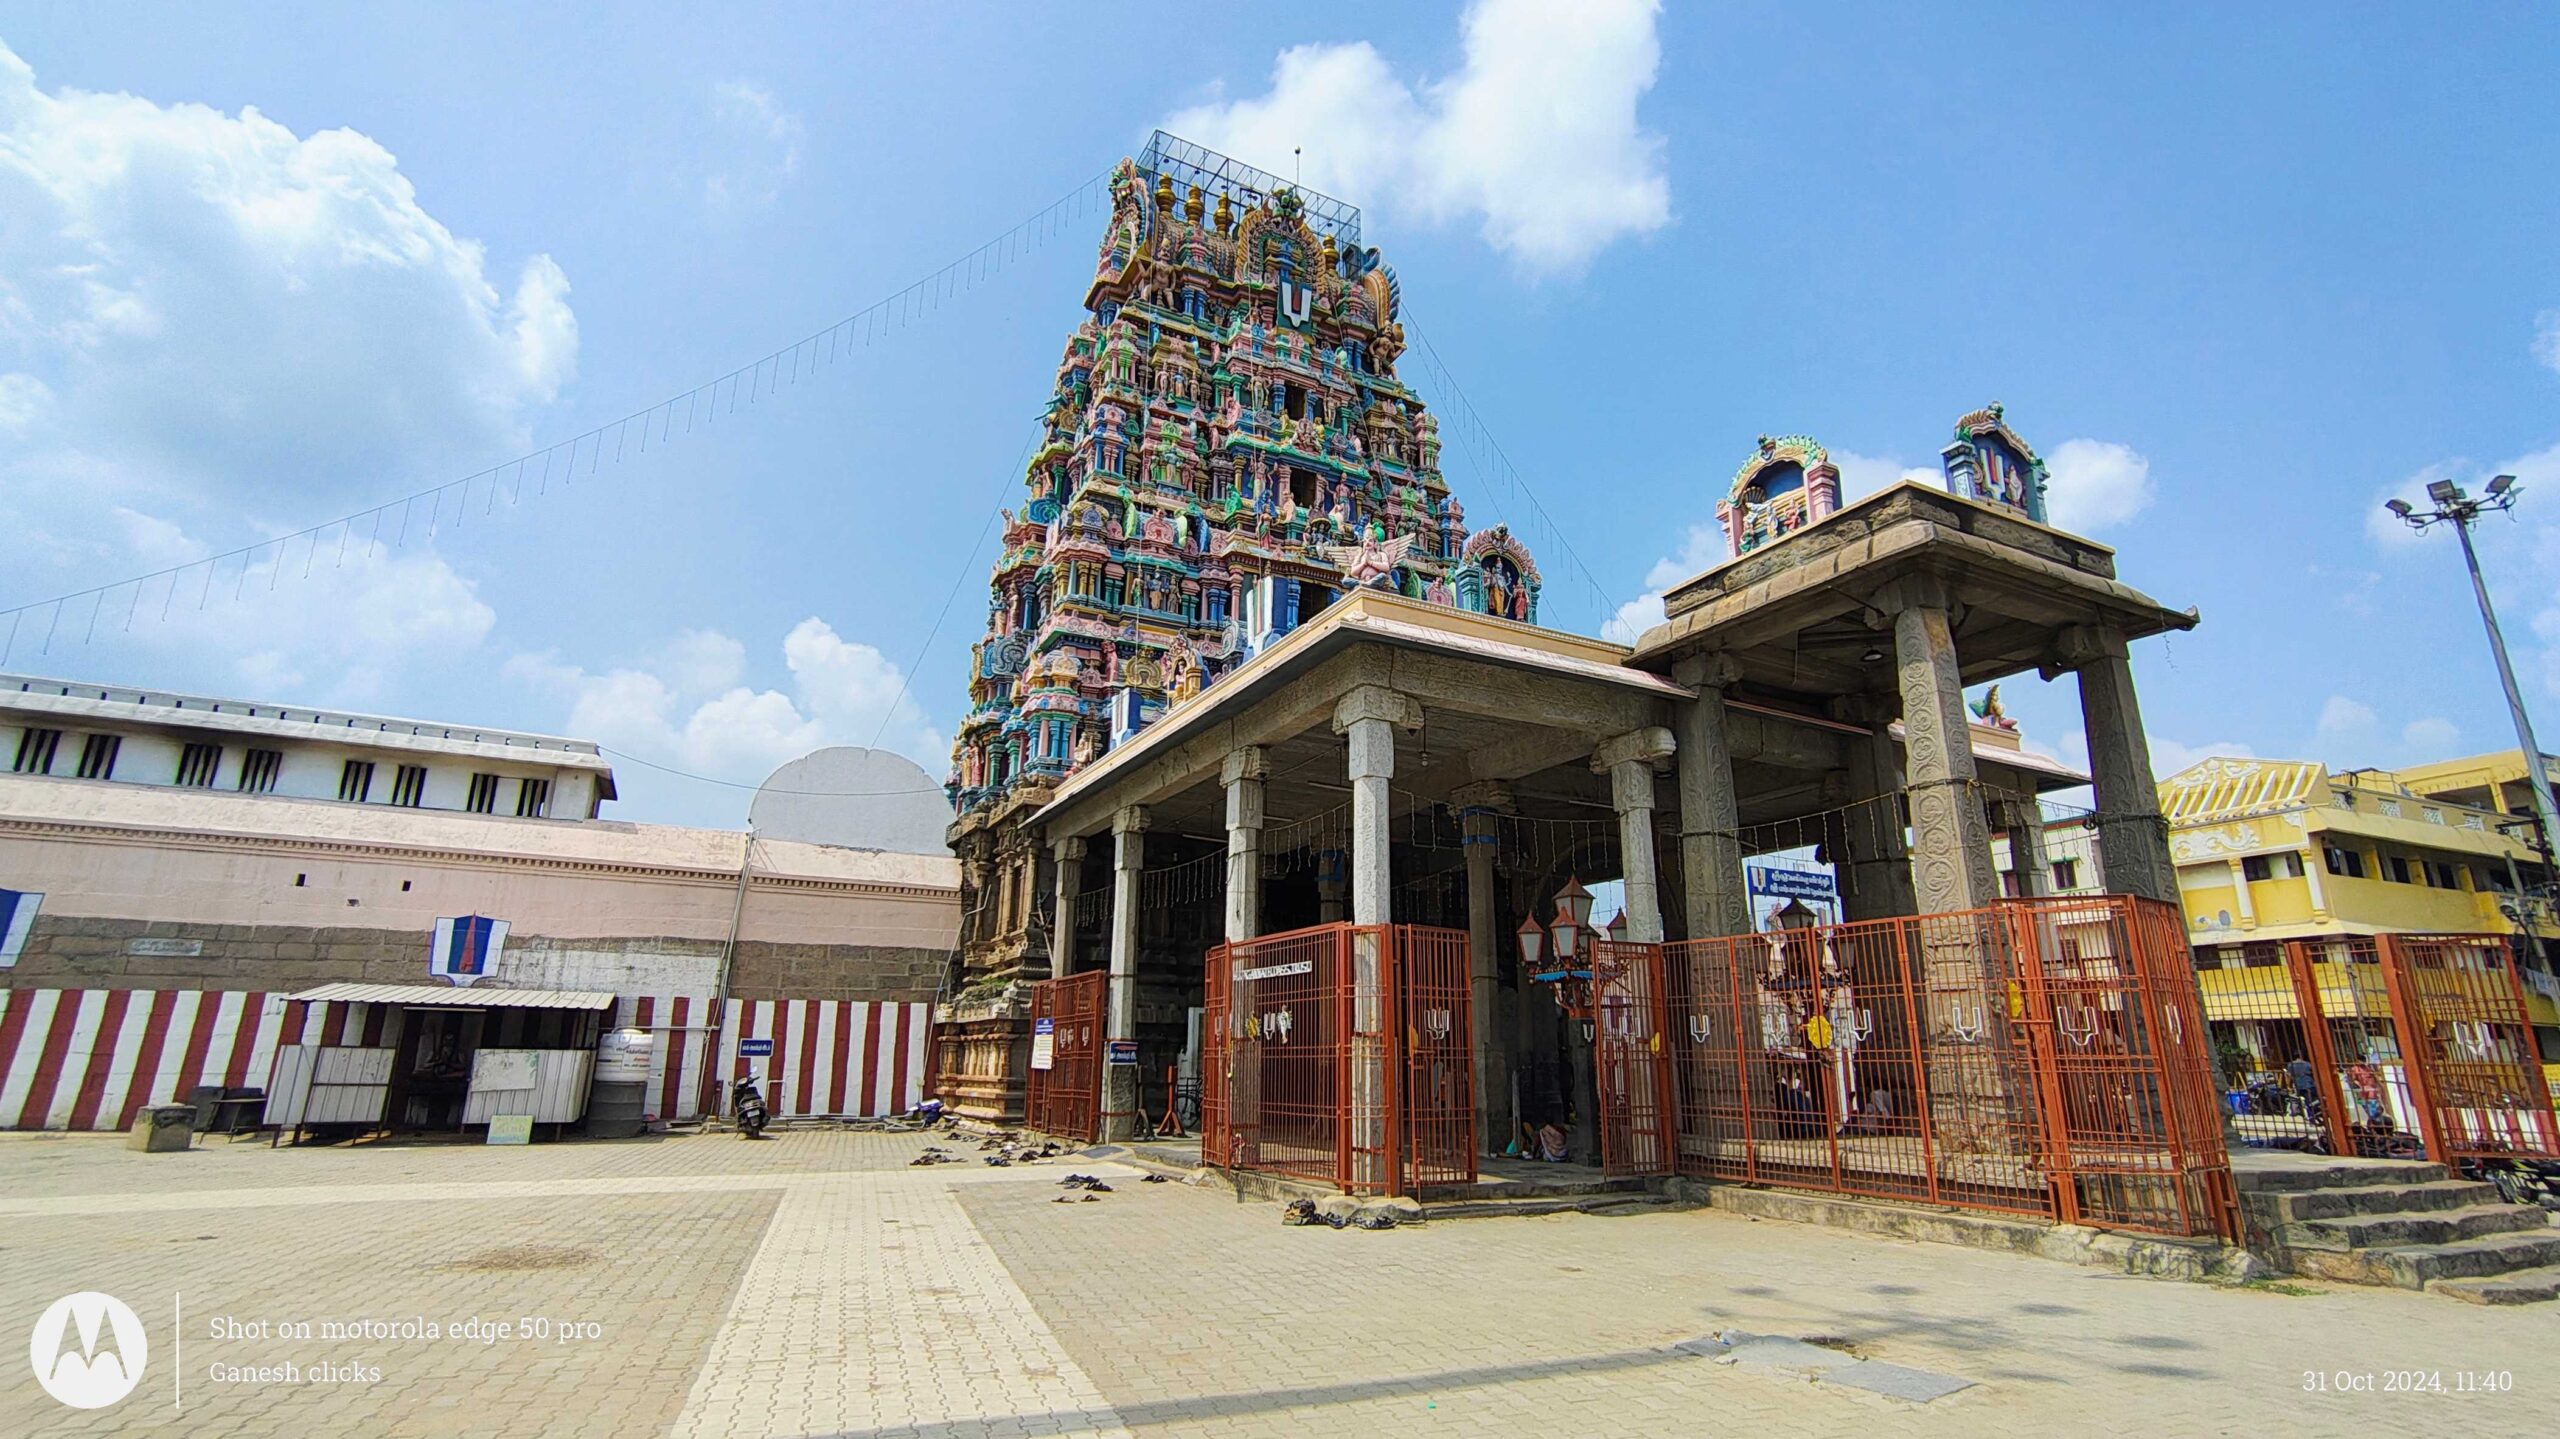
(1630, 1048)
(1340, 1054)
(1064, 1095)
(2041, 1057)
(2479, 1081)
(2383, 1046)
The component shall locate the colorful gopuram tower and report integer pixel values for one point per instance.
(1227, 449)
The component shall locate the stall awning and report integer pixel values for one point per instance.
(445, 996)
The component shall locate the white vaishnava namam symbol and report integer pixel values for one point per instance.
(1436, 1023)
(1276, 1024)
(75, 1362)
(1702, 1027)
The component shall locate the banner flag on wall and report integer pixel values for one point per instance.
(17, 921)
(466, 949)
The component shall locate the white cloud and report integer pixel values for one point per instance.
(2344, 718)
(687, 708)
(2169, 756)
(1863, 475)
(2546, 338)
(309, 624)
(1535, 136)
(23, 400)
(2430, 738)
(1701, 547)
(2094, 484)
(199, 307)
(760, 145)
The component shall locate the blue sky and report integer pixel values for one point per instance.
(2241, 272)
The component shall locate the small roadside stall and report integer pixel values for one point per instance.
(426, 1058)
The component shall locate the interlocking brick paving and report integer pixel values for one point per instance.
(818, 1285)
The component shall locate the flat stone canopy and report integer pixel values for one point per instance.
(1500, 702)
(1801, 615)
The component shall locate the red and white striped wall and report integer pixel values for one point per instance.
(93, 1058)
(849, 1058)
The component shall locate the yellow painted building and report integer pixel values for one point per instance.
(2275, 850)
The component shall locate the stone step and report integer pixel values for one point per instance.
(1536, 1189)
(2523, 1286)
(2271, 1173)
(2436, 1195)
(2382, 1231)
(2415, 1266)
(1525, 1207)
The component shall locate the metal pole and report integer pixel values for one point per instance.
(709, 1100)
(2535, 778)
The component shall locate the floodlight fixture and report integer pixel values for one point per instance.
(2444, 492)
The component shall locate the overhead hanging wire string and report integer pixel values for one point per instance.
(1500, 463)
(631, 434)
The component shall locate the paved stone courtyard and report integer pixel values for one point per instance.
(817, 1284)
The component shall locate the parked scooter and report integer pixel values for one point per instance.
(2518, 1181)
(746, 1102)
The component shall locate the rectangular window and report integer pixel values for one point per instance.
(2255, 868)
(2395, 868)
(2444, 876)
(2066, 874)
(258, 771)
(98, 756)
(199, 764)
(533, 798)
(409, 787)
(2346, 862)
(484, 794)
(35, 751)
(2009, 883)
(355, 782)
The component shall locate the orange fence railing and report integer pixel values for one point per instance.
(2039, 1057)
(1064, 1093)
(1339, 1054)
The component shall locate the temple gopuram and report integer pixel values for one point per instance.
(1280, 812)
(1226, 451)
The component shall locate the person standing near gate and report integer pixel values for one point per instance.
(2304, 1090)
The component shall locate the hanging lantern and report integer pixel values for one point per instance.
(1616, 929)
(1573, 899)
(1533, 945)
(1567, 969)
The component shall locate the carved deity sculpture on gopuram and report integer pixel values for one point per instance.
(1227, 450)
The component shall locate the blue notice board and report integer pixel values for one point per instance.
(1121, 1051)
(755, 1048)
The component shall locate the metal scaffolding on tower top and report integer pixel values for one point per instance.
(1189, 164)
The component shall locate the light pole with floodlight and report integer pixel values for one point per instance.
(2454, 507)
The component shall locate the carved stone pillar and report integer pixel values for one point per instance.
(1875, 860)
(2023, 822)
(1069, 856)
(1950, 838)
(1243, 775)
(1630, 762)
(1367, 718)
(2133, 839)
(1120, 1081)
(1480, 810)
(1710, 812)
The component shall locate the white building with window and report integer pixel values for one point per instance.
(158, 737)
(191, 886)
